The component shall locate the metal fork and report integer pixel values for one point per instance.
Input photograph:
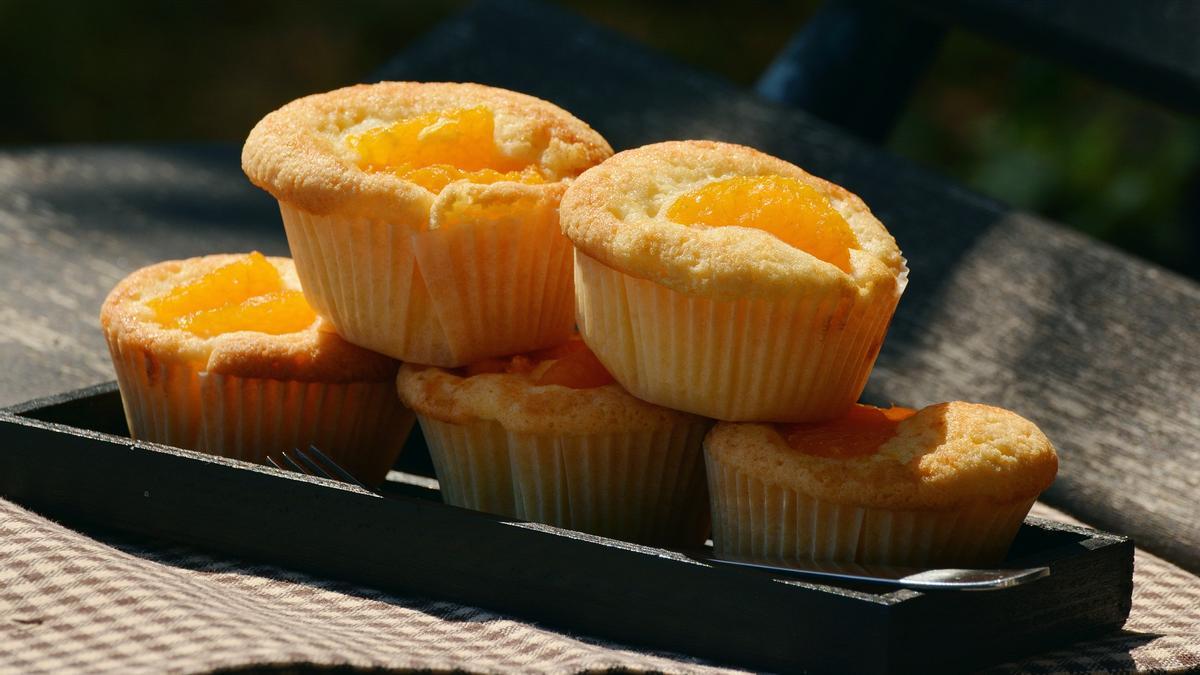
(313, 462)
(899, 577)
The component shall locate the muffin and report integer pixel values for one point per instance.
(423, 217)
(948, 485)
(549, 437)
(718, 280)
(222, 354)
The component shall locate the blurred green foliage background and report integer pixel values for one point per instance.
(1024, 130)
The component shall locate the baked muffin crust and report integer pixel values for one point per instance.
(945, 456)
(315, 354)
(519, 404)
(300, 153)
(616, 214)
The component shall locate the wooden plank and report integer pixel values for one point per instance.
(74, 220)
(1100, 349)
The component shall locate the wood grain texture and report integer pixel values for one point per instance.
(75, 220)
(1098, 348)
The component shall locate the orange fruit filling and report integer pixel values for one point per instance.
(518, 364)
(793, 211)
(276, 313)
(438, 148)
(246, 294)
(858, 433)
(578, 370)
(247, 277)
(574, 366)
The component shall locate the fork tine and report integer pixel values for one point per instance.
(313, 469)
(318, 465)
(335, 468)
(291, 463)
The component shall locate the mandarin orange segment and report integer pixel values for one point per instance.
(858, 433)
(438, 148)
(791, 210)
(438, 176)
(577, 370)
(275, 313)
(574, 365)
(246, 294)
(463, 138)
(574, 344)
(234, 282)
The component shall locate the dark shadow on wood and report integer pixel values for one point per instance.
(1148, 47)
(169, 193)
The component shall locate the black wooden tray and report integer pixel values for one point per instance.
(69, 457)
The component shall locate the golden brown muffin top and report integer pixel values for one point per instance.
(206, 322)
(621, 213)
(941, 457)
(562, 390)
(310, 152)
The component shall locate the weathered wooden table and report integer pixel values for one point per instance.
(1100, 349)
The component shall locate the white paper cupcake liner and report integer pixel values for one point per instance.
(752, 519)
(784, 360)
(444, 297)
(646, 487)
(360, 425)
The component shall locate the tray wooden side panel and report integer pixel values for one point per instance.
(620, 591)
